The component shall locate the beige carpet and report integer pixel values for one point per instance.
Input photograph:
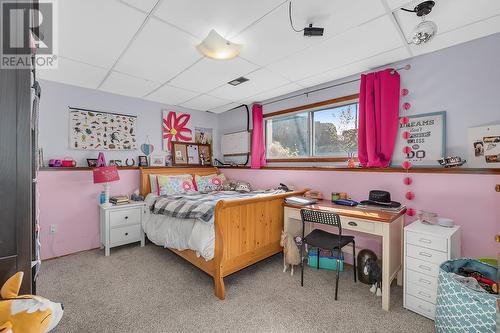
(151, 289)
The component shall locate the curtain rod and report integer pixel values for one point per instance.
(405, 67)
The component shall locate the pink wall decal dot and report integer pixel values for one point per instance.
(406, 106)
(406, 150)
(404, 120)
(410, 195)
(407, 181)
(406, 135)
(406, 165)
(404, 92)
(410, 212)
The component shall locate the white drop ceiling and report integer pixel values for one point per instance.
(146, 48)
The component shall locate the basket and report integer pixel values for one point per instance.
(461, 309)
(325, 261)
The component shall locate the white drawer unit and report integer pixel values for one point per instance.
(121, 225)
(425, 248)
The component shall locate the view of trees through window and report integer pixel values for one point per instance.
(334, 133)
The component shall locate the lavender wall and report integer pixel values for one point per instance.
(54, 120)
(462, 80)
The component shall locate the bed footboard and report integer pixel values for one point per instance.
(246, 231)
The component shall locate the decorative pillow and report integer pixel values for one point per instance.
(242, 186)
(210, 183)
(153, 183)
(169, 185)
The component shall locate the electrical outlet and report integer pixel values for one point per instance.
(53, 228)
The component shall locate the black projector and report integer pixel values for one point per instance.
(311, 31)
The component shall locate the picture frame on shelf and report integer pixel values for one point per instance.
(193, 154)
(116, 163)
(143, 161)
(205, 153)
(180, 153)
(92, 162)
(157, 161)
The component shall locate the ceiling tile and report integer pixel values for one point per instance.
(127, 85)
(225, 107)
(364, 41)
(205, 102)
(461, 35)
(393, 4)
(357, 67)
(159, 52)
(260, 41)
(74, 73)
(95, 31)
(171, 95)
(227, 17)
(286, 89)
(450, 14)
(209, 74)
(144, 5)
(259, 81)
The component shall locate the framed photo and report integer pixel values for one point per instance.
(115, 162)
(157, 160)
(205, 154)
(484, 146)
(193, 155)
(92, 162)
(143, 161)
(427, 140)
(179, 153)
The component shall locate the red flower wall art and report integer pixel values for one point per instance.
(175, 128)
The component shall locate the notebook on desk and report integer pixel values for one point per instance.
(300, 201)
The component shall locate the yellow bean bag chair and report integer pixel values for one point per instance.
(26, 313)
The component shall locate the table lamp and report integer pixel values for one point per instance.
(106, 175)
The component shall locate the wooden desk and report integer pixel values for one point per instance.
(387, 225)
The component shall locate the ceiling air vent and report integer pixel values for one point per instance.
(237, 81)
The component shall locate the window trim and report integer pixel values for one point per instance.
(340, 101)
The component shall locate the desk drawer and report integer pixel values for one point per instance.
(428, 241)
(420, 306)
(426, 254)
(415, 278)
(293, 213)
(125, 235)
(124, 217)
(350, 223)
(422, 266)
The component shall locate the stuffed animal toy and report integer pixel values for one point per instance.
(26, 313)
(243, 187)
(291, 255)
(363, 256)
(372, 269)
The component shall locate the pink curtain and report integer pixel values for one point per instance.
(378, 118)
(258, 145)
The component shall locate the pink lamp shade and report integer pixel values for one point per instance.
(106, 174)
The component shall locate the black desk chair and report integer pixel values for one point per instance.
(325, 240)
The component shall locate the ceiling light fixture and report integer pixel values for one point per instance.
(238, 81)
(217, 47)
(425, 30)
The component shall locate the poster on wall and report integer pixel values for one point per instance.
(203, 135)
(484, 147)
(427, 140)
(175, 128)
(96, 130)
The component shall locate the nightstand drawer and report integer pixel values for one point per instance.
(124, 217)
(429, 241)
(422, 266)
(414, 278)
(425, 254)
(425, 294)
(420, 306)
(125, 235)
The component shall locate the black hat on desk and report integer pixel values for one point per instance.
(381, 199)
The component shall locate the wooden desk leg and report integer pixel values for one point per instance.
(386, 274)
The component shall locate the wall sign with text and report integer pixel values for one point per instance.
(427, 139)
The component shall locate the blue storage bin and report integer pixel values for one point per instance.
(461, 309)
(325, 262)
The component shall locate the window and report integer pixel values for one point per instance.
(327, 131)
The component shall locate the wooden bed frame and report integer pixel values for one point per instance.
(246, 230)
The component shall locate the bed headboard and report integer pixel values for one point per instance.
(145, 187)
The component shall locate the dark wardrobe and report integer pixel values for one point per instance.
(18, 156)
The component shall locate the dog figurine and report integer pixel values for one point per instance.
(26, 313)
(291, 255)
(372, 269)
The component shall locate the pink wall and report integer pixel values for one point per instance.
(69, 199)
(469, 199)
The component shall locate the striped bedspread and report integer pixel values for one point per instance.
(199, 206)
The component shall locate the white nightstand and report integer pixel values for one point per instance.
(121, 225)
